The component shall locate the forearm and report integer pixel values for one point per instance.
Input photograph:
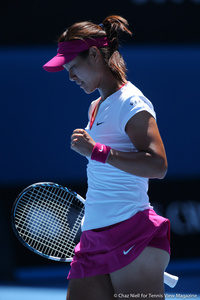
(150, 164)
(141, 164)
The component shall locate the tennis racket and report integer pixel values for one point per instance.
(47, 218)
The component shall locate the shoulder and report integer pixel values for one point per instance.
(130, 90)
(133, 101)
(132, 98)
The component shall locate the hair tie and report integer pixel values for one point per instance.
(102, 26)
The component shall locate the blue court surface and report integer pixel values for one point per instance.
(48, 283)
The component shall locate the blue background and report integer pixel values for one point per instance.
(39, 111)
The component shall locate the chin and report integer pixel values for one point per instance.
(88, 90)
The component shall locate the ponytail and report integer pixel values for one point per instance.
(114, 26)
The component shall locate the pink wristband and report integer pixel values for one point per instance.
(100, 153)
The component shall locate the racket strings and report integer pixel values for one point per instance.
(38, 229)
(24, 212)
(47, 239)
(41, 219)
(70, 201)
(39, 211)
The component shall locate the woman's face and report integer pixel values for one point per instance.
(86, 72)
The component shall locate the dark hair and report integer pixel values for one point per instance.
(111, 27)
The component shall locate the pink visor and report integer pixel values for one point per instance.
(67, 51)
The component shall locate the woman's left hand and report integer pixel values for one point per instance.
(81, 142)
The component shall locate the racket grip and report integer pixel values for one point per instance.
(170, 280)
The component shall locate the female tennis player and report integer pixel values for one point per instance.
(124, 247)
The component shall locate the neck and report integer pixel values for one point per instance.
(109, 85)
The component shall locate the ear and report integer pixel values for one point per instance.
(94, 53)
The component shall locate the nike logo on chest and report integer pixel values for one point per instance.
(99, 123)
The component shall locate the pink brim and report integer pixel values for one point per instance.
(57, 62)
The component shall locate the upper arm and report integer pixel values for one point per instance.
(144, 134)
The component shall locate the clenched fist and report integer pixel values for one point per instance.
(81, 142)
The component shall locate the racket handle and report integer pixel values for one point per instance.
(170, 280)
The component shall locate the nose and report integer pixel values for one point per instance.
(72, 76)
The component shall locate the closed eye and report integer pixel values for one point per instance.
(72, 67)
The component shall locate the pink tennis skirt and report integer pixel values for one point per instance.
(108, 249)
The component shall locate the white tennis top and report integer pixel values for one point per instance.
(114, 195)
